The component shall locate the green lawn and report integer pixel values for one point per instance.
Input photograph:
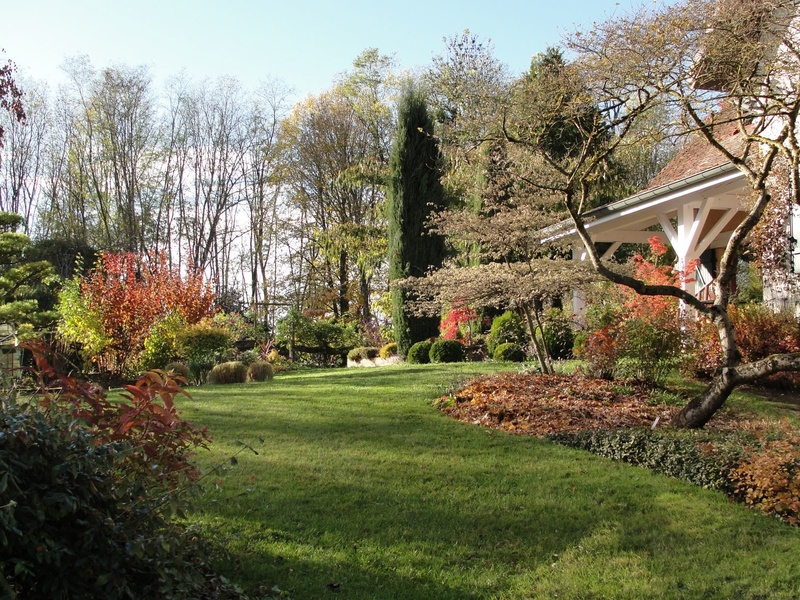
(361, 489)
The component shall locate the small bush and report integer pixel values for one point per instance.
(201, 346)
(260, 371)
(446, 351)
(388, 350)
(769, 480)
(228, 372)
(509, 352)
(178, 368)
(420, 353)
(248, 357)
(506, 328)
(558, 334)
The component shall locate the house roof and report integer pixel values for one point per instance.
(698, 155)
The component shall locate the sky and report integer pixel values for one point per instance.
(304, 44)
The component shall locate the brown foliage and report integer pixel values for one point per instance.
(545, 404)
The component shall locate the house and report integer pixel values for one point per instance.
(696, 202)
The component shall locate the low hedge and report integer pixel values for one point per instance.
(685, 455)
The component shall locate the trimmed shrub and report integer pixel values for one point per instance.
(420, 353)
(506, 328)
(447, 351)
(260, 370)
(178, 368)
(388, 350)
(509, 352)
(228, 372)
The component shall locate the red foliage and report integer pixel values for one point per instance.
(146, 417)
(130, 293)
(646, 328)
(457, 324)
(759, 333)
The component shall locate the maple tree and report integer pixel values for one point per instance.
(112, 309)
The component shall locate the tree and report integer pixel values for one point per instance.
(415, 192)
(335, 148)
(21, 279)
(748, 66)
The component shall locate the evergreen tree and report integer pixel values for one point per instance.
(415, 192)
(21, 280)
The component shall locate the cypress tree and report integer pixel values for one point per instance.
(415, 192)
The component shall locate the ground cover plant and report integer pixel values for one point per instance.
(349, 483)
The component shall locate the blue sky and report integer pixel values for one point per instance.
(304, 43)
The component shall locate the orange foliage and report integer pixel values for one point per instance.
(130, 293)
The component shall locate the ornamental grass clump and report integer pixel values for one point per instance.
(260, 370)
(228, 372)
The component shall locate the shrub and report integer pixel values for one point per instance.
(420, 353)
(159, 345)
(759, 333)
(509, 352)
(85, 514)
(260, 370)
(248, 357)
(457, 324)
(446, 351)
(558, 334)
(228, 372)
(388, 350)
(178, 368)
(769, 480)
(202, 346)
(506, 328)
(633, 336)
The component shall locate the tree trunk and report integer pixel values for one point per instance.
(699, 411)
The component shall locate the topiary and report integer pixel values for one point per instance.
(260, 370)
(420, 353)
(509, 352)
(388, 350)
(506, 328)
(447, 351)
(228, 372)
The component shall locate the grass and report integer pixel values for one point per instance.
(360, 489)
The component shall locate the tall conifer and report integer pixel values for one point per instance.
(415, 191)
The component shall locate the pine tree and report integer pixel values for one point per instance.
(415, 192)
